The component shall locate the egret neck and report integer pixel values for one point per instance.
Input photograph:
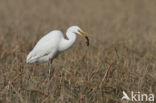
(67, 43)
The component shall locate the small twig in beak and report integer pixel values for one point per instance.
(87, 42)
(86, 37)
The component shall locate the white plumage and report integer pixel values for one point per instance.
(49, 46)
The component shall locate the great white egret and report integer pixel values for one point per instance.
(49, 46)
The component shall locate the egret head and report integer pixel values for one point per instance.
(79, 31)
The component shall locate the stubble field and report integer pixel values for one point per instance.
(121, 56)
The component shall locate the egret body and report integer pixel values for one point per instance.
(49, 46)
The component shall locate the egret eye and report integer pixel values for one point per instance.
(79, 30)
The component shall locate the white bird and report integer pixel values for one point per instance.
(49, 46)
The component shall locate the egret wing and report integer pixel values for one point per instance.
(46, 45)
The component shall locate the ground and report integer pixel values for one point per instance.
(121, 56)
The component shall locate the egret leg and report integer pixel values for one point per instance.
(49, 74)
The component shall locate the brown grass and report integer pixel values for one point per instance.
(122, 54)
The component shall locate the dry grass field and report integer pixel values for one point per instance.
(121, 55)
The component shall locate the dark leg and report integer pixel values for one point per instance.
(49, 73)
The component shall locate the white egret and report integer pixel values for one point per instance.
(49, 46)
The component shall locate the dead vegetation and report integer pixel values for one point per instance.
(121, 56)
